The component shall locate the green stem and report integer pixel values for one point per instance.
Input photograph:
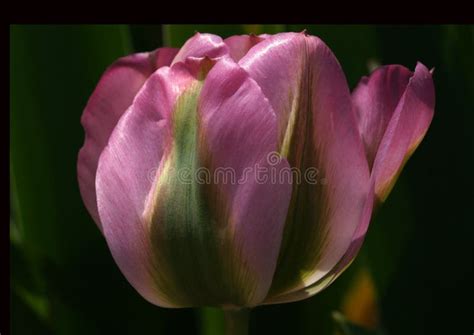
(236, 321)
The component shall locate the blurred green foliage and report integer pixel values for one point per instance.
(348, 328)
(419, 248)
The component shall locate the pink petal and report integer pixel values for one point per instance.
(240, 132)
(393, 136)
(375, 99)
(317, 129)
(162, 57)
(112, 96)
(202, 45)
(127, 169)
(239, 45)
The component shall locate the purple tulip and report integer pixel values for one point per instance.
(161, 126)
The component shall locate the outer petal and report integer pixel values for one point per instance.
(240, 131)
(125, 175)
(375, 99)
(239, 45)
(407, 125)
(112, 96)
(202, 45)
(341, 266)
(234, 225)
(317, 130)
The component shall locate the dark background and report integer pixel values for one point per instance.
(417, 260)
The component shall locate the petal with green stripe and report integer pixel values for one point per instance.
(316, 131)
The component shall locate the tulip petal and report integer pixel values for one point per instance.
(259, 212)
(202, 45)
(398, 132)
(341, 266)
(112, 96)
(125, 175)
(222, 125)
(375, 99)
(239, 45)
(240, 131)
(317, 130)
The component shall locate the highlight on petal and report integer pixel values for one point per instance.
(218, 240)
(112, 96)
(202, 45)
(239, 45)
(395, 108)
(316, 130)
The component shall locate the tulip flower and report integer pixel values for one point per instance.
(228, 105)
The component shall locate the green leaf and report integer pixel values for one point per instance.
(53, 71)
(24, 320)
